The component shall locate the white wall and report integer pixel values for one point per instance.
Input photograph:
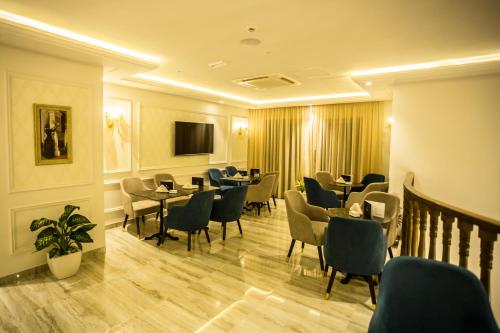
(448, 133)
(28, 191)
(143, 146)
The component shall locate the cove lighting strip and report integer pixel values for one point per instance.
(27, 22)
(429, 65)
(158, 79)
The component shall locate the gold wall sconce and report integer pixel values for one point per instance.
(113, 117)
(390, 122)
(242, 131)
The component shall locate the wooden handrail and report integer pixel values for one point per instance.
(417, 207)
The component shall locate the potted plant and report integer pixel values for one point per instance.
(299, 185)
(66, 237)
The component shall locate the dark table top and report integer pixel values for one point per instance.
(159, 196)
(244, 179)
(347, 185)
(344, 212)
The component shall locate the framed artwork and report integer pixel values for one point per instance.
(52, 134)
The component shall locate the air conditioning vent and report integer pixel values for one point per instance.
(267, 81)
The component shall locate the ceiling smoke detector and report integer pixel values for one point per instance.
(250, 41)
(267, 81)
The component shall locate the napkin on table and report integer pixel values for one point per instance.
(162, 189)
(355, 210)
(238, 175)
(340, 180)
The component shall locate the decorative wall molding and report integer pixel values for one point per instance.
(15, 222)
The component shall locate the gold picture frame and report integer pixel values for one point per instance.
(52, 125)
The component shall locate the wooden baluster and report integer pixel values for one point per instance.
(423, 227)
(487, 242)
(463, 247)
(433, 232)
(414, 238)
(447, 226)
(405, 227)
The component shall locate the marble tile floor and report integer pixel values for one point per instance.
(244, 285)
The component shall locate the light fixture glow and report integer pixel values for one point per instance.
(27, 22)
(368, 83)
(429, 65)
(162, 80)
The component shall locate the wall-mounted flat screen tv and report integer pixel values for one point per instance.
(193, 138)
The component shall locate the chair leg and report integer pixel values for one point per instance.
(325, 272)
(143, 220)
(157, 216)
(189, 241)
(268, 207)
(223, 231)
(372, 290)
(239, 226)
(320, 255)
(199, 231)
(390, 252)
(291, 248)
(346, 279)
(258, 209)
(138, 227)
(303, 245)
(206, 234)
(125, 221)
(330, 283)
(274, 200)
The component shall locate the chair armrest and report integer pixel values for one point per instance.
(317, 213)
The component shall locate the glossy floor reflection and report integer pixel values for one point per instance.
(244, 285)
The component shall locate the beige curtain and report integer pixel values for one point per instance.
(299, 141)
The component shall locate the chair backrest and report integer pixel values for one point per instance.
(231, 170)
(197, 210)
(324, 178)
(356, 246)
(262, 191)
(214, 175)
(391, 212)
(276, 180)
(421, 295)
(159, 177)
(358, 197)
(372, 178)
(317, 196)
(230, 206)
(127, 186)
(298, 221)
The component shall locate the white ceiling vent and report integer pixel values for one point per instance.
(267, 81)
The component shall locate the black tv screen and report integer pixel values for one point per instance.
(193, 138)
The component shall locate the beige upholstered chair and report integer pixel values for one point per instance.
(391, 214)
(134, 206)
(159, 177)
(358, 197)
(307, 222)
(274, 193)
(325, 179)
(259, 194)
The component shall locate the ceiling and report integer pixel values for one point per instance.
(318, 43)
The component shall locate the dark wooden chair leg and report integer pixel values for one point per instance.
(138, 224)
(125, 221)
(274, 200)
(239, 227)
(390, 252)
(258, 209)
(206, 234)
(320, 255)
(303, 245)
(291, 248)
(330, 283)
(223, 231)
(157, 216)
(189, 241)
(143, 220)
(372, 289)
(346, 279)
(199, 231)
(268, 207)
(325, 272)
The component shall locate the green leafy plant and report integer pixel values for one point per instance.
(300, 185)
(66, 235)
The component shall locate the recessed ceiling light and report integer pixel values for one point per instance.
(221, 102)
(250, 41)
(368, 83)
(24, 21)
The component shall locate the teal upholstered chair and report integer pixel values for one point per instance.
(229, 208)
(215, 175)
(318, 196)
(193, 216)
(368, 179)
(231, 170)
(422, 295)
(355, 246)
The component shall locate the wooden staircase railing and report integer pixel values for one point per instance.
(419, 208)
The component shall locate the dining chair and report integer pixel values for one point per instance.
(134, 206)
(193, 216)
(259, 194)
(357, 247)
(158, 178)
(391, 202)
(368, 179)
(307, 223)
(231, 170)
(358, 197)
(229, 208)
(274, 192)
(422, 295)
(327, 182)
(317, 196)
(215, 175)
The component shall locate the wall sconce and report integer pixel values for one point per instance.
(113, 117)
(242, 131)
(390, 121)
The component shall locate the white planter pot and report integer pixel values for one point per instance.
(65, 266)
